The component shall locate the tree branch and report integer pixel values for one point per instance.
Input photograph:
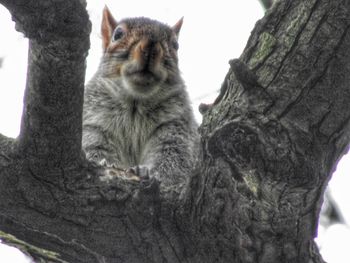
(52, 112)
(278, 131)
(269, 145)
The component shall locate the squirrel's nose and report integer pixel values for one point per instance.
(148, 50)
(146, 45)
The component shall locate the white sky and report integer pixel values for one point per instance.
(213, 32)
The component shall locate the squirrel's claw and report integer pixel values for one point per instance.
(140, 170)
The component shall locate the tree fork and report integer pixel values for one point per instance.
(269, 143)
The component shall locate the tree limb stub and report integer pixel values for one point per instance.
(266, 3)
(269, 144)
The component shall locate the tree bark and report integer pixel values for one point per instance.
(269, 142)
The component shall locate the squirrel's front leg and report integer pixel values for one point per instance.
(98, 149)
(169, 155)
(102, 158)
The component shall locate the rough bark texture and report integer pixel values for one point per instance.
(269, 145)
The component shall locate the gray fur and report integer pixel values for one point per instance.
(156, 132)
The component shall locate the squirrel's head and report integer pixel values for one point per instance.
(143, 52)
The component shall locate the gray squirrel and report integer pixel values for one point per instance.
(137, 114)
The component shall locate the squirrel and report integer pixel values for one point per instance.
(137, 114)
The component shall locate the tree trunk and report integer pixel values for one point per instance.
(270, 143)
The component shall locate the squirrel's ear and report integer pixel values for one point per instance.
(177, 26)
(107, 27)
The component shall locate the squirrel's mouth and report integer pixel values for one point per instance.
(143, 79)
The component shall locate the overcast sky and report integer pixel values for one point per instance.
(213, 32)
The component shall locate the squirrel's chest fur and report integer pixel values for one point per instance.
(130, 127)
(127, 123)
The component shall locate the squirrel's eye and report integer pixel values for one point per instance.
(118, 33)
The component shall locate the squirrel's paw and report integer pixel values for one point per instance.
(101, 159)
(107, 164)
(140, 170)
